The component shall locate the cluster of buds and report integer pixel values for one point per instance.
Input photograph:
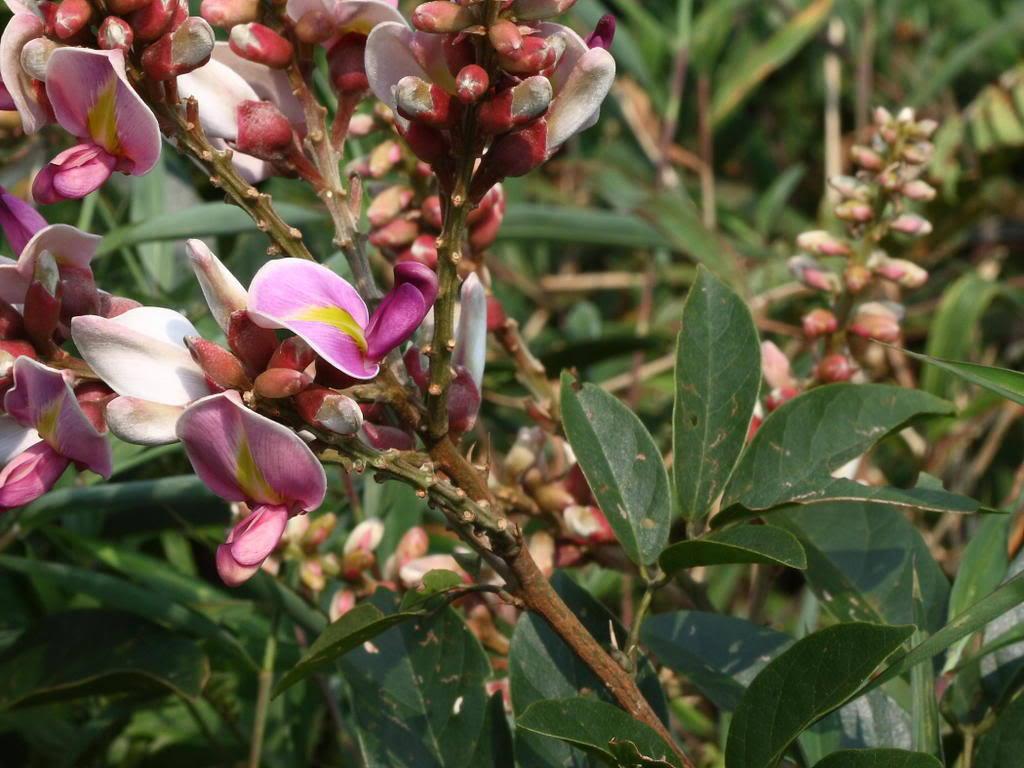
(853, 270)
(527, 85)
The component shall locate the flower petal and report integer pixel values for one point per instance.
(578, 103)
(232, 572)
(321, 307)
(19, 220)
(141, 353)
(69, 246)
(362, 15)
(73, 174)
(394, 51)
(269, 84)
(243, 456)
(221, 289)
(402, 310)
(219, 90)
(14, 438)
(253, 539)
(19, 30)
(143, 422)
(471, 334)
(29, 475)
(575, 47)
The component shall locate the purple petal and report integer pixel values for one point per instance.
(603, 34)
(19, 220)
(19, 30)
(6, 102)
(29, 475)
(402, 310)
(243, 456)
(319, 306)
(42, 398)
(232, 572)
(73, 174)
(253, 539)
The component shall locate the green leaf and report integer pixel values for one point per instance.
(1003, 745)
(814, 676)
(87, 652)
(878, 758)
(861, 559)
(580, 226)
(148, 200)
(924, 709)
(740, 544)
(418, 693)
(198, 221)
(622, 465)
(598, 728)
(435, 583)
(717, 378)
(743, 74)
(1002, 381)
(800, 445)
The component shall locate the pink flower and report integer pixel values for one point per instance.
(328, 314)
(242, 456)
(72, 251)
(56, 432)
(25, 94)
(93, 101)
(19, 220)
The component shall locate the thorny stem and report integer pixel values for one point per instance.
(531, 371)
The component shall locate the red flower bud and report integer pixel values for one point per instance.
(423, 102)
(512, 154)
(11, 323)
(834, 368)
(227, 13)
(383, 437)
(395, 234)
(263, 131)
(326, 409)
(72, 17)
(276, 383)
(431, 210)
(314, 27)
(422, 250)
(253, 345)
(388, 204)
(115, 34)
(443, 16)
(179, 52)
(124, 7)
(153, 19)
(535, 55)
(517, 105)
(222, 368)
(260, 44)
(463, 402)
(471, 83)
(112, 306)
(428, 144)
(866, 158)
(484, 232)
(496, 317)
(505, 37)
(819, 322)
(779, 396)
(292, 353)
(346, 67)
(42, 307)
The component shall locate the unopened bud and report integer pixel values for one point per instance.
(365, 536)
(923, 129)
(355, 563)
(553, 497)
(260, 44)
(471, 83)
(835, 367)
(293, 353)
(71, 18)
(222, 291)
(514, 154)
(423, 250)
(906, 115)
(115, 34)
(854, 210)
(820, 242)
(906, 273)
(179, 52)
(276, 383)
(911, 224)
(588, 523)
(229, 13)
(263, 130)
(221, 367)
(534, 56)
(422, 102)
(850, 187)
(35, 56)
(386, 155)
(383, 437)
(877, 320)
(311, 573)
(856, 277)
(388, 204)
(343, 601)
(112, 306)
(813, 275)
(463, 402)
(412, 546)
(775, 366)
(534, 10)
(314, 27)
(918, 153)
(346, 67)
(253, 345)
(411, 574)
(395, 234)
(517, 105)
(918, 190)
(11, 324)
(124, 7)
(866, 157)
(42, 314)
(777, 397)
(485, 230)
(431, 210)
(152, 20)
(324, 408)
(496, 317)
(819, 322)
(443, 17)
(882, 116)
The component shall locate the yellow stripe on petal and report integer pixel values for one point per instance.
(47, 424)
(250, 477)
(336, 317)
(103, 119)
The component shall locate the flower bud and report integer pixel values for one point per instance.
(385, 438)
(355, 563)
(11, 323)
(534, 10)
(263, 130)
(423, 250)
(431, 210)
(326, 409)
(384, 157)
(882, 116)
(223, 293)
(35, 56)
(463, 402)
(819, 322)
(813, 275)
(179, 52)
(276, 383)
(343, 601)
(777, 397)
(388, 204)
(412, 546)
(877, 320)
(850, 187)
(513, 154)
(222, 368)
(856, 277)
(124, 7)
(411, 574)
(365, 536)
(471, 83)
(906, 115)
(443, 17)
(588, 523)
(314, 27)
(866, 158)
(72, 17)
(775, 366)
(112, 306)
(911, 224)
(229, 13)
(820, 242)
(854, 210)
(520, 104)
(395, 234)
(311, 573)
(253, 345)
(835, 367)
(485, 231)
(923, 129)
(422, 102)
(78, 293)
(115, 34)
(293, 353)
(260, 44)
(906, 273)
(153, 19)
(918, 153)
(42, 303)
(428, 144)
(496, 317)
(603, 34)
(918, 190)
(346, 67)
(535, 55)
